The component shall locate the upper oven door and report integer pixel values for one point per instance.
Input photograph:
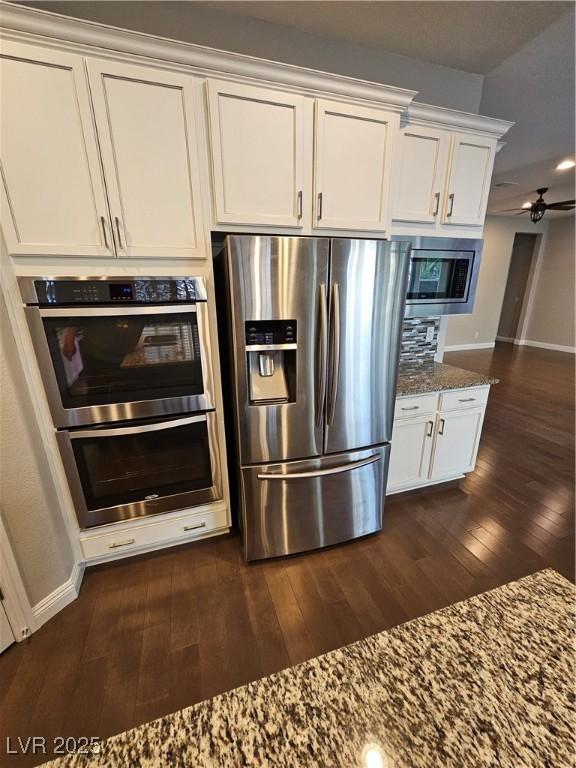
(119, 363)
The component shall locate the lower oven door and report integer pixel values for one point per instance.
(301, 505)
(117, 473)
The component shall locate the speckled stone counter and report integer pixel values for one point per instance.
(437, 377)
(483, 683)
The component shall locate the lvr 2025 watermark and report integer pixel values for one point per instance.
(59, 745)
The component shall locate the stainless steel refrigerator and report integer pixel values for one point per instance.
(315, 327)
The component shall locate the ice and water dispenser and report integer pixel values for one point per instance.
(271, 347)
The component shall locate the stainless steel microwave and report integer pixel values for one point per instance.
(443, 275)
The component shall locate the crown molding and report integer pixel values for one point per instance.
(55, 27)
(440, 117)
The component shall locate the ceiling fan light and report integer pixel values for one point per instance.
(565, 165)
(526, 205)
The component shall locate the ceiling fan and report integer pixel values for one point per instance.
(538, 208)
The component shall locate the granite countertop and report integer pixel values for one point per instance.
(419, 378)
(483, 683)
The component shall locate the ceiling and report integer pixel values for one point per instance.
(471, 36)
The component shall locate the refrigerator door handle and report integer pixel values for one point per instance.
(322, 355)
(320, 472)
(334, 352)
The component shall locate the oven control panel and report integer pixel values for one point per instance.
(61, 291)
(270, 332)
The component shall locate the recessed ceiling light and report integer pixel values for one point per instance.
(565, 165)
(527, 205)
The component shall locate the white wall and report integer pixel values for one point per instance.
(187, 21)
(551, 315)
(28, 499)
(481, 326)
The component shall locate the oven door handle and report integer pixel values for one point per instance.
(116, 311)
(120, 431)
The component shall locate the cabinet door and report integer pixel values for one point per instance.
(146, 126)
(456, 444)
(257, 140)
(470, 171)
(353, 154)
(420, 174)
(53, 199)
(410, 452)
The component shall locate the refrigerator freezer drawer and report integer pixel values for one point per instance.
(301, 505)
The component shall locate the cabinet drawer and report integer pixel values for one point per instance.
(415, 406)
(153, 531)
(464, 398)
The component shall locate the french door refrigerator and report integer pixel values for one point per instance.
(315, 327)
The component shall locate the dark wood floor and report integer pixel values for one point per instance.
(151, 635)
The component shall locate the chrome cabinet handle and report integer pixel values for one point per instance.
(116, 544)
(466, 399)
(451, 209)
(429, 433)
(319, 205)
(320, 472)
(335, 351)
(194, 527)
(437, 204)
(299, 205)
(442, 425)
(323, 352)
(117, 220)
(103, 223)
(411, 408)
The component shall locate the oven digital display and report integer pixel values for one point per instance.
(121, 292)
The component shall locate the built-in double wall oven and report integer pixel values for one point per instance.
(127, 368)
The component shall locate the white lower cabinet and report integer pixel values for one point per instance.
(120, 539)
(411, 450)
(456, 443)
(440, 444)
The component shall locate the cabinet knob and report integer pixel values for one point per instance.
(436, 203)
(451, 209)
(442, 425)
(319, 212)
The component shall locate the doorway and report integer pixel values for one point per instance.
(519, 277)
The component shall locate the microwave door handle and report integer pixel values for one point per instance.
(142, 429)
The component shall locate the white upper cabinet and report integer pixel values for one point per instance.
(146, 125)
(53, 200)
(421, 171)
(257, 138)
(470, 171)
(353, 157)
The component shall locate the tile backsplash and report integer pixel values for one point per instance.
(415, 349)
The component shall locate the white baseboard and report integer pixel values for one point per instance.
(507, 339)
(462, 347)
(545, 345)
(54, 602)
